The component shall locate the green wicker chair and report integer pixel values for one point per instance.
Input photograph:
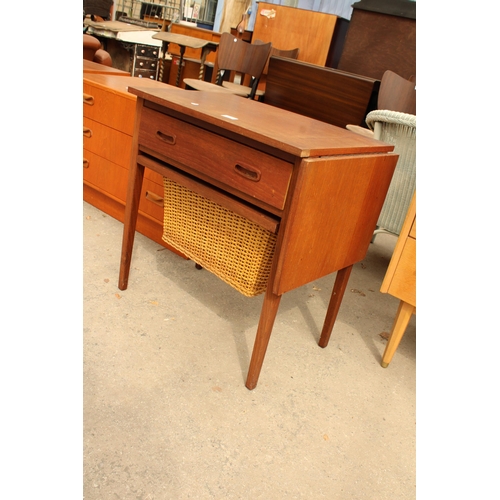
(399, 129)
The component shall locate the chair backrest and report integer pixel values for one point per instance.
(101, 8)
(399, 129)
(288, 53)
(397, 94)
(242, 57)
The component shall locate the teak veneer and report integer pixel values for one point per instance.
(322, 185)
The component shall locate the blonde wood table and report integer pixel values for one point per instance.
(318, 187)
(400, 281)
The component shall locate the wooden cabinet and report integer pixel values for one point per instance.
(400, 281)
(146, 61)
(108, 126)
(246, 183)
(290, 27)
(381, 36)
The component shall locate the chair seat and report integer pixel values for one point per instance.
(212, 87)
(241, 89)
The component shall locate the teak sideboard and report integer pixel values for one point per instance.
(108, 126)
(317, 188)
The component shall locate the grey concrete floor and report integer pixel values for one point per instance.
(166, 411)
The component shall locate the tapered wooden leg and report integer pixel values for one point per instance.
(135, 177)
(401, 321)
(266, 322)
(334, 305)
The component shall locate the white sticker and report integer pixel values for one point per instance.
(195, 104)
(230, 117)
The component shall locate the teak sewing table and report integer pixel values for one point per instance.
(319, 187)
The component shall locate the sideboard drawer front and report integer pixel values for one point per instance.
(109, 108)
(263, 177)
(151, 202)
(109, 143)
(107, 176)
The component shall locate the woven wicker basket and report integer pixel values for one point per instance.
(235, 249)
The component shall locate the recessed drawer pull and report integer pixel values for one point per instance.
(158, 200)
(87, 132)
(86, 163)
(169, 139)
(250, 173)
(88, 99)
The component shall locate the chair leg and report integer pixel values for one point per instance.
(401, 321)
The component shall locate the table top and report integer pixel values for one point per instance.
(289, 132)
(93, 67)
(184, 40)
(115, 26)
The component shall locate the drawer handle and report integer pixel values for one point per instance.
(169, 139)
(250, 173)
(88, 99)
(158, 200)
(86, 163)
(87, 132)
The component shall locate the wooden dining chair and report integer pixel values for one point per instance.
(235, 59)
(288, 53)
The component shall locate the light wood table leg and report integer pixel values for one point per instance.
(136, 175)
(401, 321)
(266, 322)
(333, 307)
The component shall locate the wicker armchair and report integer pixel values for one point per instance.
(399, 129)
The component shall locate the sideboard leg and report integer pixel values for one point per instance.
(334, 305)
(136, 175)
(266, 322)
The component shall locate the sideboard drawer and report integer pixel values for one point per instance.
(107, 176)
(109, 143)
(109, 108)
(263, 177)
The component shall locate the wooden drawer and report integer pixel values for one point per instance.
(151, 201)
(109, 108)
(148, 74)
(243, 168)
(107, 142)
(153, 177)
(403, 284)
(106, 176)
(147, 51)
(143, 63)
